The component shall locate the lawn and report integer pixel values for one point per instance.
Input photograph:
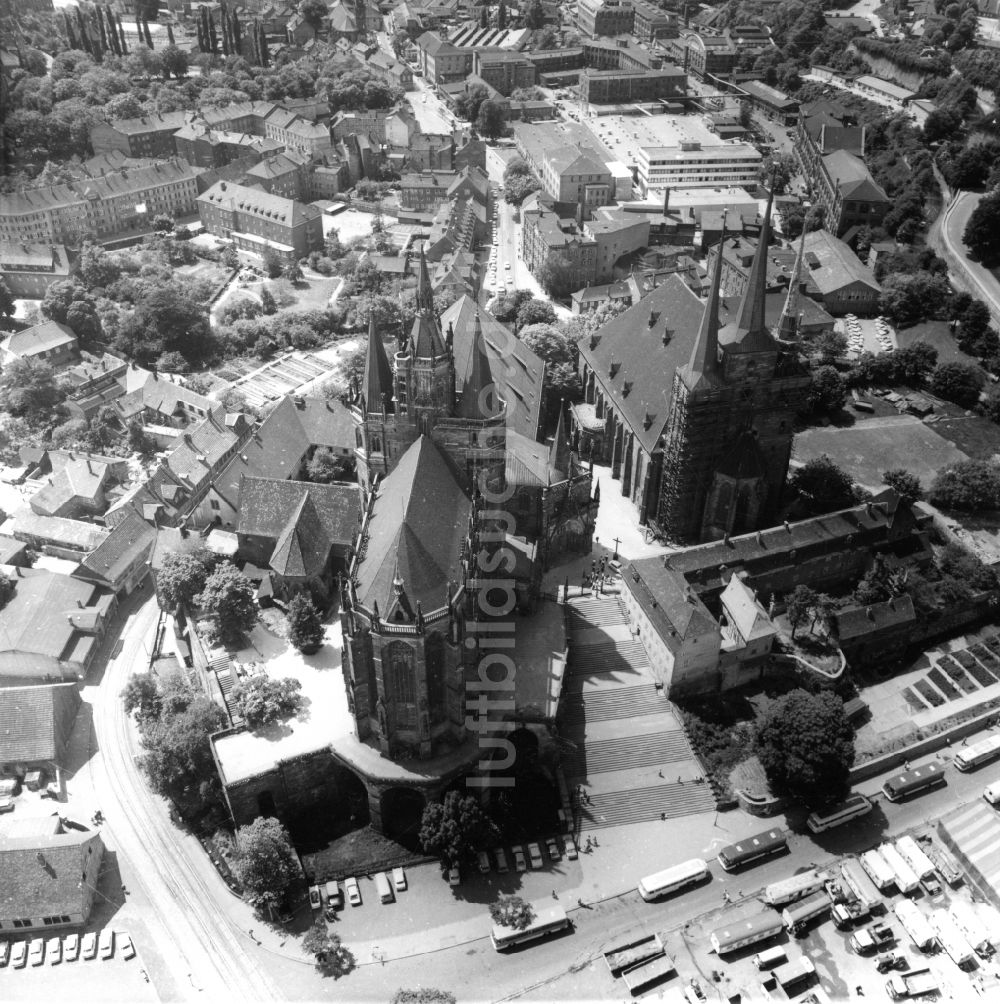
(934, 333)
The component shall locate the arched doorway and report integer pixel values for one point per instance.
(402, 811)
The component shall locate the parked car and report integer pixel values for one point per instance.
(36, 951)
(399, 879)
(89, 948)
(535, 853)
(334, 897)
(520, 863)
(552, 846)
(454, 876)
(71, 947)
(6, 804)
(53, 951)
(125, 946)
(106, 943)
(315, 897)
(484, 862)
(352, 890)
(569, 845)
(19, 955)
(501, 859)
(4, 952)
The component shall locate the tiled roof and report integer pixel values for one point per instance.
(40, 873)
(632, 346)
(36, 722)
(39, 338)
(416, 530)
(79, 482)
(277, 448)
(856, 622)
(132, 537)
(267, 505)
(852, 176)
(839, 266)
(162, 396)
(198, 451)
(744, 610)
(73, 533)
(239, 198)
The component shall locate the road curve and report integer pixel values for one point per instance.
(972, 276)
(204, 948)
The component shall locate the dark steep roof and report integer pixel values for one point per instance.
(269, 505)
(480, 397)
(416, 531)
(36, 722)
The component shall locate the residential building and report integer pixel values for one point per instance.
(122, 561)
(111, 204)
(604, 17)
(571, 165)
(29, 269)
(148, 136)
(155, 400)
(430, 152)
(48, 875)
(848, 193)
(93, 383)
(505, 71)
(846, 285)
(440, 61)
(548, 242)
(49, 342)
(78, 490)
(256, 221)
(425, 192)
(651, 22)
(615, 86)
(36, 723)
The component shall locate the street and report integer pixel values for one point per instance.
(946, 236)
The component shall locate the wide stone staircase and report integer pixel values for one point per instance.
(624, 747)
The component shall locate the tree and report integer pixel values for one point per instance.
(798, 605)
(6, 300)
(261, 700)
(313, 12)
(490, 119)
(272, 263)
(305, 629)
(182, 577)
(293, 272)
(991, 406)
(958, 382)
(230, 257)
(535, 17)
(827, 392)
(332, 958)
(455, 828)
(228, 595)
(97, 268)
(28, 390)
(325, 467)
(265, 863)
(534, 311)
(806, 746)
(267, 302)
(467, 104)
(904, 484)
(175, 61)
(967, 486)
(512, 911)
(982, 232)
(163, 223)
(777, 169)
(822, 485)
(142, 696)
(914, 364)
(548, 343)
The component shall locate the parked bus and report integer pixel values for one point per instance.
(797, 915)
(548, 920)
(972, 928)
(761, 845)
(913, 782)
(915, 857)
(740, 933)
(907, 880)
(668, 881)
(952, 939)
(970, 757)
(915, 924)
(794, 888)
(644, 975)
(793, 973)
(878, 869)
(860, 884)
(853, 806)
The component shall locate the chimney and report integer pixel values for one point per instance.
(666, 200)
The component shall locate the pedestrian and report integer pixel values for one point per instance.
(581, 902)
(663, 817)
(587, 847)
(554, 896)
(660, 772)
(251, 934)
(595, 842)
(680, 779)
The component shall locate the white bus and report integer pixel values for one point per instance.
(970, 757)
(915, 924)
(878, 869)
(907, 880)
(668, 881)
(740, 933)
(548, 920)
(794, 888)
(853, 806)
(860, 884)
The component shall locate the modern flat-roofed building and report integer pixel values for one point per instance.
(651, 22)
(29, 269)
(255, 220)
(614, 86)
(604, 17)
(505, 71)
(673, 151)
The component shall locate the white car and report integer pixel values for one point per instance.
(106, 943)
(36, 951)
(454, 876)
(535, 853)
(507, 266)
(90, 945)
(4, 953)
(53, 949)
(553, 848)
(71, 947)
(19, 955)
(125, 945)
(520, 862)
(569, 845)
(353, 892)
(399, 879)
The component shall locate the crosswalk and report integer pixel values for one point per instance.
(973, 832)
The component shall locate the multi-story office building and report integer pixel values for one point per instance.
(614, 86)
(604, 17)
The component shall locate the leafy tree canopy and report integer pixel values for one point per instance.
(456, 828)
(967, 486)
(822, 485)
(982, 232)
(264, 862)
(905, 484)
(305, 629)
(958, 382)
(28, 390)
(332, 958)
(261, 700)
(228, 595)
(182, 576)
(512, 911)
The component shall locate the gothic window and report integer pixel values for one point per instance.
(434, 652)
(376, 444)
(400, 682)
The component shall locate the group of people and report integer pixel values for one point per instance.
(598, 576)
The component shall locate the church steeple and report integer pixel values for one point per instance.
(425, 334)
(705, 355)
(425, 298)
(750, 318)
(559, 451)
(788, 323)
(479, 391)
(376, 388)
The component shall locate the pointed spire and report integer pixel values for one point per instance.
(559, 451)
(425, 299)
(479, 391)
(750, 317)
(788, 323)
(376, 388)
(705, 355)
